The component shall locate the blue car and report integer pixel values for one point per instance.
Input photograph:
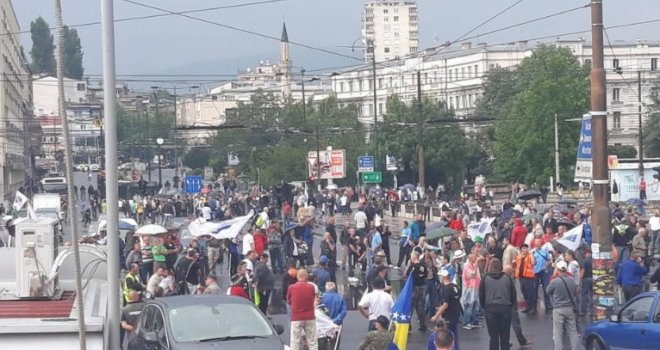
(635, 326)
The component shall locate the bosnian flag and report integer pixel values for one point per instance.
(401, 314)
(572, 238)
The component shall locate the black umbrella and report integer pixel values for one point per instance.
(531, 194)
(567, 202)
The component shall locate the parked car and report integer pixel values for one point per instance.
(204, 322)
(82, 167)
(94, 167)
(636, 325)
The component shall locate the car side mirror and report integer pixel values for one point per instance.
(150, 337)
(614, 318)
(279, 329)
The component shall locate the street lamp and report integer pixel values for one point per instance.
(159, 142)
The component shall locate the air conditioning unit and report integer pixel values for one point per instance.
(36, 250)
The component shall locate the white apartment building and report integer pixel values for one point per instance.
(391, 28)
(16, 103)
(456, 76)
(45, 94)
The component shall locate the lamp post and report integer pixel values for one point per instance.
(159, 142)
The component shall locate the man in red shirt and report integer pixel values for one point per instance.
(642, 189)
(260, 241)
(300, 296)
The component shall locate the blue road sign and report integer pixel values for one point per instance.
(192, 184)
(366, 163)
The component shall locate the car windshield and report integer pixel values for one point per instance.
(47, 215)
(203, 322)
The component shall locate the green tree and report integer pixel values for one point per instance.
(73, 55)
(137, 132)
(550, 82)
(43, 49)
(652, 135)
(196, 158)
(622, 151)
(445, 144)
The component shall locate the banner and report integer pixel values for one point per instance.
(584, 166)
(331, 165)
(572, 238)
(480, 229)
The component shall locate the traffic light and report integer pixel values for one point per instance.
(657, 173)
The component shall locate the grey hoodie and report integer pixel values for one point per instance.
(497, 289)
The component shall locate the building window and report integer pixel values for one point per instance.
(385, 11)
(462, 73)
(396, 34)
(469, 72)
(412, 10)
(380, 108)
(654, 64)
(616, 94)
(396, 18)
(386, 19)
(350, 85)
(360, 85)
(426, 78)
(80, 87)
(391, 82)
(476, 71)
(341, 87)
(387, 50)
(616, 120)
(413, 19)
(387, 27)
(380, 83)
(615, 63)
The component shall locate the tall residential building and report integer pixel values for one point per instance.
(390, 29)
(15, 107)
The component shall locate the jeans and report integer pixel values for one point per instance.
(277, 260)
(563, 325)
(543, 279)
(527, 286)
(453, 327)
(213, 255)
(586, 298)
(498, 322)
(471, 313)
(630, 292)
(430, 292)
(307, 328)
(264, 297)
(404, 254)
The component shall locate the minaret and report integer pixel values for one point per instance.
(285, 63)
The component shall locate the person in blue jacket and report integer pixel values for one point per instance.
(631, 273)
(335, 305)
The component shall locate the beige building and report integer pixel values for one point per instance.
(16, 102)
(391, 27)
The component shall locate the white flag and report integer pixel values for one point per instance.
(219, 230)
(572, 238)
(31, 213)
(19, 201)
(480, 229)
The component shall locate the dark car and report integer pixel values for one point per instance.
(636, 325)
(204, 322)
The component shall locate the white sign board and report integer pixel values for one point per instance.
(331, 165)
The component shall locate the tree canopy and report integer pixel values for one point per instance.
(550, 82)
(73, 55)
(651, 130)
(43, 48)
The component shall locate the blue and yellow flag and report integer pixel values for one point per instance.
(401, 314)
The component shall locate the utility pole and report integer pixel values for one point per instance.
(640, 135)
(373, 67)
(111, 190)
(146, 117)
(420, 132)
(603, 297)
(176, 138)
(302, 84)
(68, 165)
(556, 150)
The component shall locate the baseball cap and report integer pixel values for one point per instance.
(323, 259)
(383, 320)
(561, 265)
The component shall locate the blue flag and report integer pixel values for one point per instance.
(401, 314)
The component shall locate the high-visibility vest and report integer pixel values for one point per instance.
(528, 267)
(126, 289)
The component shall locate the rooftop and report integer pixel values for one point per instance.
(34, 308)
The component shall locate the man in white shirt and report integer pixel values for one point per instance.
(167, 283)
(360, 220)
(155, 279)
(206, 212)
(377, 303)
(248, 243)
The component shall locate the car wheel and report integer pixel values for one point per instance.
(595, 344)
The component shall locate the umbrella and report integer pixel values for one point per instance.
(635, 202)
(509, 213)
(439, 233)
(531, 194)
(436, 225)
(332, 187)
(409, 187)
(151, 230)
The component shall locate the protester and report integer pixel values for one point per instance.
(380, 338)
(470, 295)
(264, 281)
(300, 297)
(450, 307)
(133, 282)
(586, 292)
(212, 286)
(418, 270)
(376, 303)
(130, 315)
(335, 303)
(444, 340)
(515, 317)
(524, 272)
(562, 290)
(188, 273)
(497, 294)
(630, 276)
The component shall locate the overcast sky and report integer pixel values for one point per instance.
(175, 44)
